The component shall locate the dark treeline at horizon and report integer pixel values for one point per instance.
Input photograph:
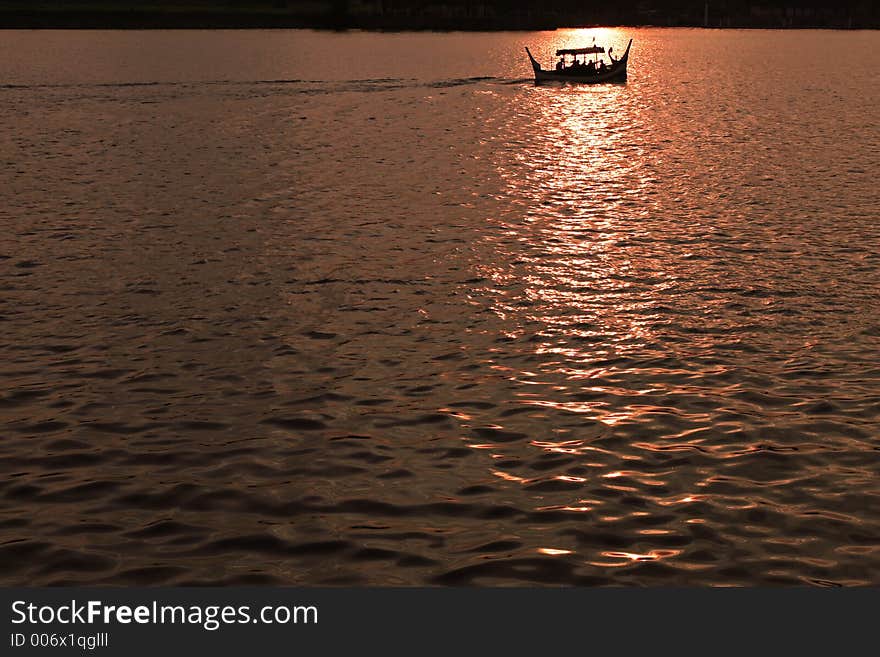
(438, 14)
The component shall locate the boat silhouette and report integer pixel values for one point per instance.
(574, 65)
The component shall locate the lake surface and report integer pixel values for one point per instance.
(312, 308)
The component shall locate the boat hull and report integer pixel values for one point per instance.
(614, 73)
(599, 78)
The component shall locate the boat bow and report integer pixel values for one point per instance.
(623, 59)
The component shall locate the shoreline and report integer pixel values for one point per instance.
(183, 20)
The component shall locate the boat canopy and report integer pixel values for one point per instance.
(580, 51)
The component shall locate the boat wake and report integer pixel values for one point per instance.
(308, 86)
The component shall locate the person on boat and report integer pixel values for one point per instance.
(591, 67)
(601, 66)
(559, 64)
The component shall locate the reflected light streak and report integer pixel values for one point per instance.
(509, 477)
(627, 558)
(557, 275)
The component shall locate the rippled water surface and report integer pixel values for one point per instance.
(305, 308)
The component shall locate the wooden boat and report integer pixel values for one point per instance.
(574, 65)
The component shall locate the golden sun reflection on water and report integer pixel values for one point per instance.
(627, 558)
(571, 185)
(568, 275)
(554, 552)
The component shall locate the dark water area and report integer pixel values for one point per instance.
(365, 309)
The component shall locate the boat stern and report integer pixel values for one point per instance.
(536, 67)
